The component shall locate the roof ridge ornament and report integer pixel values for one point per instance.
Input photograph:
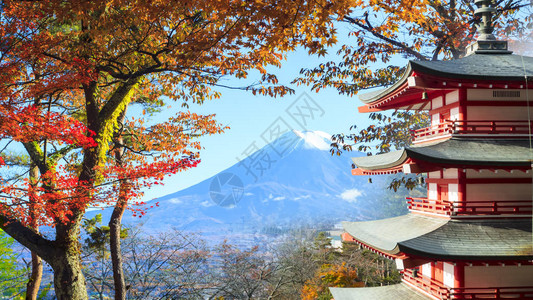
(486, 11)
(486, 42)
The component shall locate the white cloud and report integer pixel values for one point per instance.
(279, 198)
(175, 201)
(207, 203)
(351, 195)
(248, 194)
(303, 197)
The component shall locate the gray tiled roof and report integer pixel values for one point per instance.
(396, 292)
(370, 96)
(381, 161)
(441, 238)
(475, 239)
(494, 152)
(385, 234)
(456, 151)
(480, 66)
(506, 67)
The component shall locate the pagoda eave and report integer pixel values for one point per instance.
(478, 154)
(379, 236)
(416, 236)
(434, 76)
(393, 254)
(363, 172)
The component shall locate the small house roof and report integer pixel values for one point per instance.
(395, 291)
(478, 239)
(467, 152)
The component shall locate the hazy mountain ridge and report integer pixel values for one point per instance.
(293, 180)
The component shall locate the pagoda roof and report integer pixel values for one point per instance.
(395, 291)
(477, 239)
(506, 67)
(484, 67)
(384, 235)
(466, 152)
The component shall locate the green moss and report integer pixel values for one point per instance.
(110, 124)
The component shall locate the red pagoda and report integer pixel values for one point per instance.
(471, 237)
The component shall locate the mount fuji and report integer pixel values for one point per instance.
(293, 181)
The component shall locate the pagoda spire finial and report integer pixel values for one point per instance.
(486, 11)
(486, 42)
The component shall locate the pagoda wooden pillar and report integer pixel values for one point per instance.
(461, 190)
(462, 105)
(459, 277)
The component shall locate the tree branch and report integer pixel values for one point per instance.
(28, 238)
(400, 45)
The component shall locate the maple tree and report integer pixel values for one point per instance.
(71, 68)
(132, 145)
(330, 276)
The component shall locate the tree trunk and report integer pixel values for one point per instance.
(34, 282)
(32, 288)
(69, 282)
(115, 227)
(115, 223)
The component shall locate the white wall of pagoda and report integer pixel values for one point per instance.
(509, 189)
(441, 272)
(482, 105)
(480, 185)
(449, 98)
(445, 107)
(496, 94)
(494, 113)
(450, 173)
(437, 102)
(498, 276)
(452, 188)
(426, 270)
(435, 119)
(435, 174)
(496, 174)
(454, 113)
(486, 111)
(497, 192)
(453, 192)
(448, 275)
(433, 191)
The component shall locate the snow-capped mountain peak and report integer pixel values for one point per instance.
(315, 139)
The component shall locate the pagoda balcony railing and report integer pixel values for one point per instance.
(426, 284)
(432, 206)
(470, 208)
(438, 130)
(478, 127)
(441, 291)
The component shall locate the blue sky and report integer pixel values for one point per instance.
(250, 116)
